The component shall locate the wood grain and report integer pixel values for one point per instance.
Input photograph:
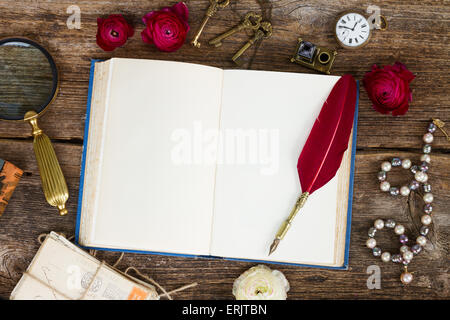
(417, 36)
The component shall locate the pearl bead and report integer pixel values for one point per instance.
(421, 240)
(379, 224)
(390, 223)
(424, 166)
(416, 249)
(427, 187)
(414, 185)
(406, 277)
(396, 258)
(371, 243)
(428, 197)
(385, 186)
(394, 191)
(406, 164)
(396, 162)
(424, 230)
(386, 166)
(421, 176)
(404, 248)
(385, 257)
(404, 191)
(428, 138)
(382, 175)
(408, 256)
(403, 239)
(426, 219)
(376, 252)
(399, 229)
(426, 158)
(432, 128)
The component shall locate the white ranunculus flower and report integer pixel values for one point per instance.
(261, 283)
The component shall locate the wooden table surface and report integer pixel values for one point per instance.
(417, 36)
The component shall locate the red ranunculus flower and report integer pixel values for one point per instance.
(388, 88)
(113, 32)
(167, 28)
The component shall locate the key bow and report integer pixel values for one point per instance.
(252, 20)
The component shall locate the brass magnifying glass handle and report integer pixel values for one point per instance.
(53, 181)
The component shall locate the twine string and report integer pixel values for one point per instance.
(54, 290)
(165, 293)
(149, 280)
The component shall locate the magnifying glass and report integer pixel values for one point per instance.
(28, 85)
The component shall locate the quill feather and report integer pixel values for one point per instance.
(322, 154)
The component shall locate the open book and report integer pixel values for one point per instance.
(188, 159)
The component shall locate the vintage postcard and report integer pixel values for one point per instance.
(62, 271)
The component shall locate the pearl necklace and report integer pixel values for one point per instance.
(420, 177)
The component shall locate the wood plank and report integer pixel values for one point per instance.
(427, 57)
(28, 215)
(416, 36)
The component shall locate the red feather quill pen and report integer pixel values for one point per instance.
(322, 154)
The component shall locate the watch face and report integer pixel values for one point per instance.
(352, 30)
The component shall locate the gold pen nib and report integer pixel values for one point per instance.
(287, 223)
(274, 246)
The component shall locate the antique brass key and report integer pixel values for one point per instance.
(212, 9)
(264, 31)
(252, 21)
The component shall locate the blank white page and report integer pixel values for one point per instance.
(254, 195)
(147, 199)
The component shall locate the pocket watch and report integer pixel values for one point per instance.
(353, 30)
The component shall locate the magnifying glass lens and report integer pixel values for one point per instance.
(27, 80)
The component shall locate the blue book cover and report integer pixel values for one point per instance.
(82, 175)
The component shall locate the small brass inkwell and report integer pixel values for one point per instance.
(314, 57)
